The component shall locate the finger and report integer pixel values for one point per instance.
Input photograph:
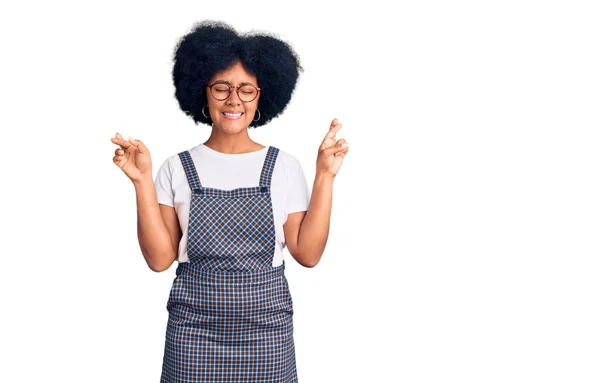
(120, 141)
(117, 159)
(123, 144)
(333, 128)
(343, 152)
(119, 152)
(339, 142)
(139, 145)
(340, 146)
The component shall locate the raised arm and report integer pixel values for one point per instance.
(157, 225)
(306, 232)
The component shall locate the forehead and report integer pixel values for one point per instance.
(235, 74)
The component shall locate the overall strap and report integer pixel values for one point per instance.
(190, 171)
(267, 170)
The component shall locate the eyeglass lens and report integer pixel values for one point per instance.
(221, 92)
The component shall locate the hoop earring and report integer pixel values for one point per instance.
(258, 115)
(205, 116)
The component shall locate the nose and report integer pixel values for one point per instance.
(233, 98)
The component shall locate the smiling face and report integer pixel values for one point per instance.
(232, 115)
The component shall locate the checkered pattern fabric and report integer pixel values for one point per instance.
(230, 310)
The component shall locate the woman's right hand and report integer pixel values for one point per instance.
(133, 157)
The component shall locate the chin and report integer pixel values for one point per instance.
(233, 128)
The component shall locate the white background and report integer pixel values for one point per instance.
(464, 234)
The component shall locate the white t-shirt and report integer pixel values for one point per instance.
(289, 190)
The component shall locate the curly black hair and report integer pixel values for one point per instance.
(213, 46)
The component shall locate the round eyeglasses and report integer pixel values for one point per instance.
(221, 91)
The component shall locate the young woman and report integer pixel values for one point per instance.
(225, 209)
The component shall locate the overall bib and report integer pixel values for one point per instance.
(230, 310)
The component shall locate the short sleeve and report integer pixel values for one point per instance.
(297, 196)
(163, 185)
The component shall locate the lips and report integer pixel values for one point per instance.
(232, 116)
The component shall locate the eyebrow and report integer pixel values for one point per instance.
(228, 83)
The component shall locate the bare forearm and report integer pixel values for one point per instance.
(153, 235)
(314, 230)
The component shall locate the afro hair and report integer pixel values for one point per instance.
(214, 46)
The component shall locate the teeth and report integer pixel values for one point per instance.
(232, 114)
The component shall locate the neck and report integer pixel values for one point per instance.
(232, 143)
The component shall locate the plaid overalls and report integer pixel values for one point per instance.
(230, 310)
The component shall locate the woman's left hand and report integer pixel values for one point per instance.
(331, 151)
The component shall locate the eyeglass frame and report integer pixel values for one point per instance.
(237, 90)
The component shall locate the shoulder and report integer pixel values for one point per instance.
(170, 163)
(287, 162)
(287, 159)
(173, 162)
